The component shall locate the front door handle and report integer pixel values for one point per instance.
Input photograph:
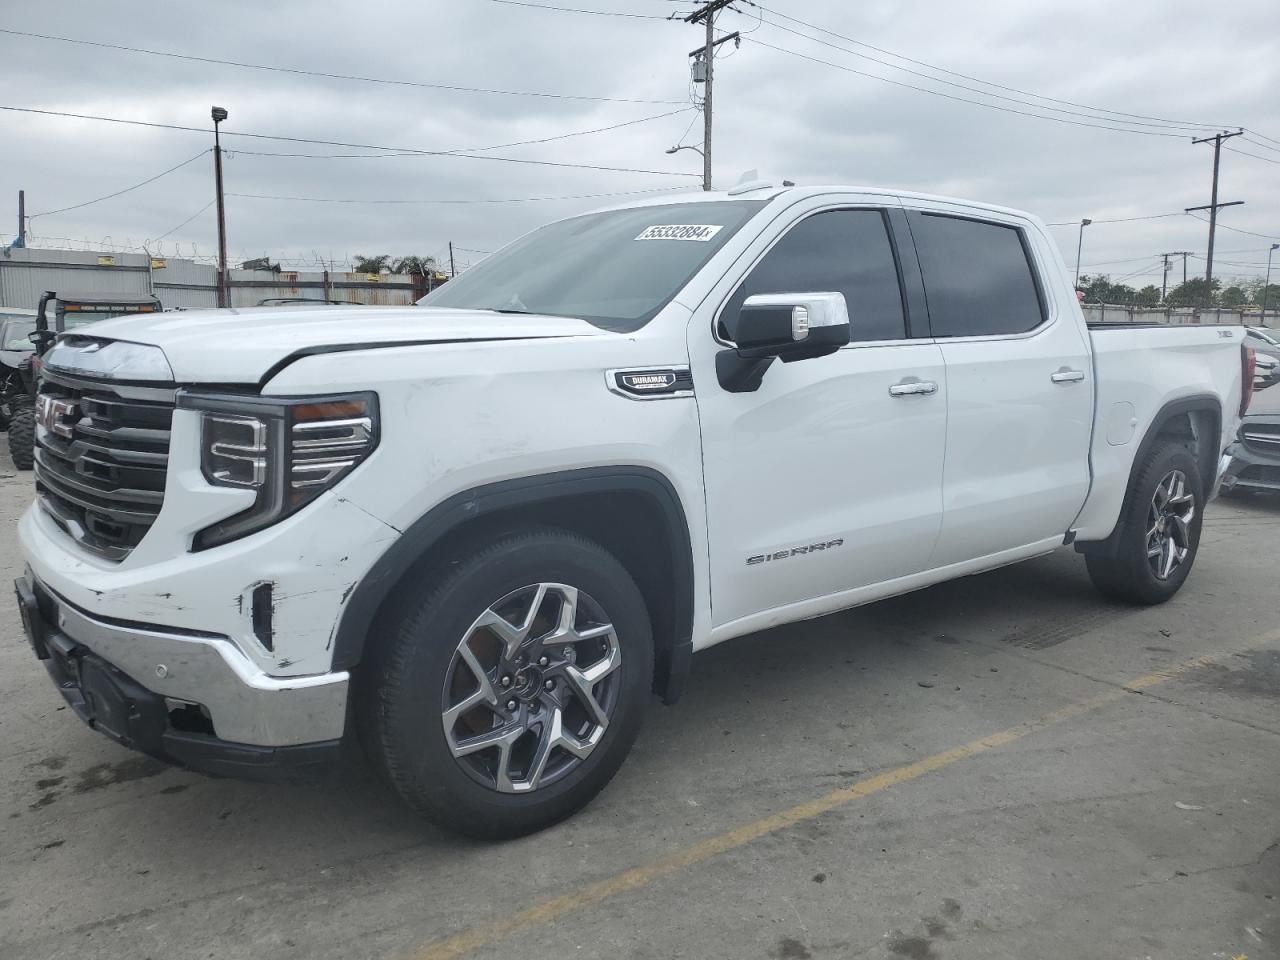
(910, 388)
(1067, 375)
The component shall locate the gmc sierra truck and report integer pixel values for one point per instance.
(478, 532)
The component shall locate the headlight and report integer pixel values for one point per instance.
(288, 450)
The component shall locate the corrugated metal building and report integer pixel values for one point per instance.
(26, 273)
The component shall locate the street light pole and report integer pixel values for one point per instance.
(696, 150)
(1079, 246)
(224, 290)
(1266, 286)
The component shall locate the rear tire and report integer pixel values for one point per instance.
(22, 431)
(1156, 540)
(475, 635)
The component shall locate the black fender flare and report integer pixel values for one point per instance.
(375, 588)
(1196, 403)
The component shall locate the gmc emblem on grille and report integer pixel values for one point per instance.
(55, 415)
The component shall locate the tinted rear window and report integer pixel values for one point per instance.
(977, 277)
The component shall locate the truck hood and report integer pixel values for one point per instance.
(245, 345)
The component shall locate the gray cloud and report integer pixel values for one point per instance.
(776, 113)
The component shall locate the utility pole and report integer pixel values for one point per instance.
(452, 272)
(1214, 205)
(1173, 253)
(224, 290)
(706, 15)
(22, 219)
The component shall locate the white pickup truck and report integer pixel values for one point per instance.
(479, 531)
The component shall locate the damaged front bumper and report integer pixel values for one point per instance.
(1252, 462)
(184, 696)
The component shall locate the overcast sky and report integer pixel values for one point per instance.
(777, 113)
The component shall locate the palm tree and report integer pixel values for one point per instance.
(415, 264)
(365, 264)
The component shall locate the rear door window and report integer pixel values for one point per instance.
(978, 277)
(839, 251)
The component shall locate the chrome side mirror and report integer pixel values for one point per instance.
(784, 326)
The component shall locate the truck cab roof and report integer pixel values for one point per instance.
(767, 190)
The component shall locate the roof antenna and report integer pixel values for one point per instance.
(748, 177)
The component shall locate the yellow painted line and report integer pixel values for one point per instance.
(484, 934)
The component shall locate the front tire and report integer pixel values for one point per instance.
(1158, 535)
(22, 431)
(508, 695)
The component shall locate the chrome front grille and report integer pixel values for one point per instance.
(102, 450)
(1262, 436)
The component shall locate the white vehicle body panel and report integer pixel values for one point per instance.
(1017, 467)
(998, 464)
(242, 345)
(1139, 371)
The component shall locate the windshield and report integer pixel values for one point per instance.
(13, 333)
(615, 269)
(79, 316)
(1264, 336)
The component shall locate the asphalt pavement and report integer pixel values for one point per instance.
(1007, 766)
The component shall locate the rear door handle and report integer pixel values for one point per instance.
(1066, 375)
(910, 388)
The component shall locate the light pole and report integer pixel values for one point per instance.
(1079, 246)
(697, 150)
(224, 291)
(1266, 286)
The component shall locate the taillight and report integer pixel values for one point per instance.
(1248, 368)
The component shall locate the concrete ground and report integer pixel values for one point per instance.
(1008, 766)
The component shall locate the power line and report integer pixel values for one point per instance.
(1264, 137)
(340, 143)
(1110, 263)
(949, 96)
(1233, 263)
(1141, 271)
(118, 193)
(596, 13)
(400, 201)
(188, 220)
(985, 93)
(1223, 226)
(1152, 216)
(999, 86)
(1259, 143)
(298, 71)
(497, 146)
(1246, 153)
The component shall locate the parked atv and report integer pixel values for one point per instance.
(57, 314)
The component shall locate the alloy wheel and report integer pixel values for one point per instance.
(531, 687)
(1173, 507)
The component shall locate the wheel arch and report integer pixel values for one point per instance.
(632, 511)
(1195, 421)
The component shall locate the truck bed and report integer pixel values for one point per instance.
(1140, 369)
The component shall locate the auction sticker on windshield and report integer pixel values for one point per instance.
(680, 231)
